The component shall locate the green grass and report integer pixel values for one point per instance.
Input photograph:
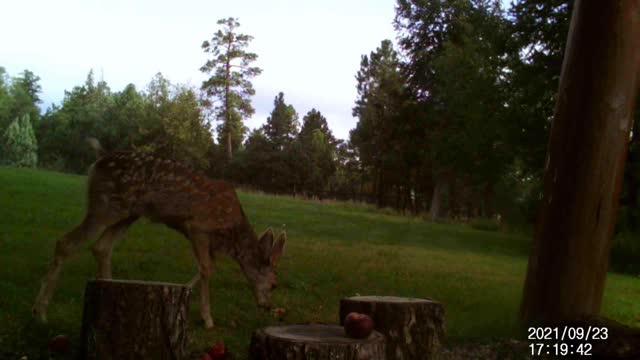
(334, 250)
(485, 224)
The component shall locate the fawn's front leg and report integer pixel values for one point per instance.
(65, 247)
(103, 248)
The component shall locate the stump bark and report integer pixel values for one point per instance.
(314, 341)
(413, 328)
(134, 320)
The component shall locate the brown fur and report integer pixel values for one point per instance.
(124, 186)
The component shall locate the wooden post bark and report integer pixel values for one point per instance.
(312, 342)
(585, 162)
(413, 328)
(134, 320)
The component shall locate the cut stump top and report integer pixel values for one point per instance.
(136, 283)
(390, 299)
(318, 334)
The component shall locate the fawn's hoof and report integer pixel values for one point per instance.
(39, 314)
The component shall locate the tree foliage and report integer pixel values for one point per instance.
(173, 125)
(20, 148)
(456, 115)
(535, 53)
(19, 99)
(316, 147)
(380, 108)
(228, 90)
(165, 119)
(455, 70)
(273, 145)
(281, 127)
(25, 90)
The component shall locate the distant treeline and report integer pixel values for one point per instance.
(454, 122)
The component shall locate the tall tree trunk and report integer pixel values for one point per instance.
(227, 109)
(362, 175)
(585, 163)
(453, 198)
(229, 147)
(436, 199)
(487, 200)
(380, 190)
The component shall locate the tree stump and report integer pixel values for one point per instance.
(134, 320)
(314, 341)
(413, 328)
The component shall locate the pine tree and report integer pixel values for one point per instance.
(317, 146)
(6, 100)
(314, 120)
(19, 143)
(379, 107)
(455, 66)
(282, 126)
(275, 140)
(24, 90)
(228, 90)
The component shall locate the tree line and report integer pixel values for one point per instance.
(453, 121)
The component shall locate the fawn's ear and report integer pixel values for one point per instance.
(278, 249)
(265, 243)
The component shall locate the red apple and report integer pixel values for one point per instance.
(218, 351)
(358, 326)
(60, 344)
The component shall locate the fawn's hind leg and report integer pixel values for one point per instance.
(103, 248)
(201, 244)
(196, 277)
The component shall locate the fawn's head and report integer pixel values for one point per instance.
(262, 273)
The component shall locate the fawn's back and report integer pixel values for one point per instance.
(138, 184)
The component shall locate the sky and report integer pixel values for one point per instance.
(308, 50)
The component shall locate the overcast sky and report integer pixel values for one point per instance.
(309, 50)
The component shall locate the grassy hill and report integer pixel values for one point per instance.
(334, 250)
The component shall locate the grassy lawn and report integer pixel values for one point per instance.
(334, 250)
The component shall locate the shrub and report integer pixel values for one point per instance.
(19, 145)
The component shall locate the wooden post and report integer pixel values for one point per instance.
(312, 342)
(134, 320)
(413, 328)
(585, 162)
